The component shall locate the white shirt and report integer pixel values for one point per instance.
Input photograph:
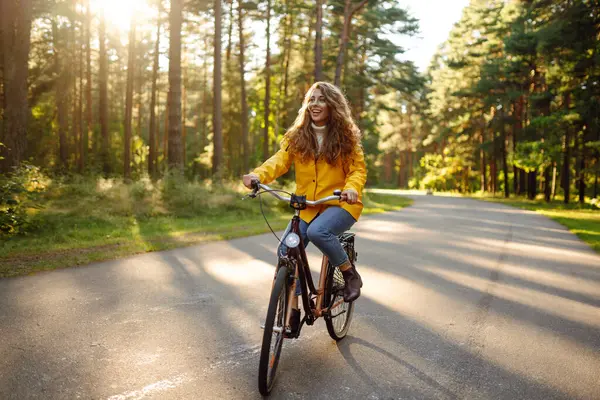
(320, 132)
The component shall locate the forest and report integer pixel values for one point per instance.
(139, 90)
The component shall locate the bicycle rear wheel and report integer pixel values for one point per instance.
(273, 334)
(340, 315)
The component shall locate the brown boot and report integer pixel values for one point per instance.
(353, 282)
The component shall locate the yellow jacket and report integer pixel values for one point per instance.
(318, 179)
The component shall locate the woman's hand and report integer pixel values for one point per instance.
(350, 196)
(247, 179)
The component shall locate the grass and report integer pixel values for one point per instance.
(96, 220)
(377, 203)
(582, 220)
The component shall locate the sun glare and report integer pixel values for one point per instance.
(118, 13)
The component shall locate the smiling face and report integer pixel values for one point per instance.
(318, 108)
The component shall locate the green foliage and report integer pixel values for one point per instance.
(520, 79)
(92, 218)
(535, 156)
(19, 192)
(436, 176)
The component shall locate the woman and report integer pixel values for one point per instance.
(324, 145)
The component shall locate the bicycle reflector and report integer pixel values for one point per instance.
(292, 240)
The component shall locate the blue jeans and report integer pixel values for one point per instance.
(323, 231)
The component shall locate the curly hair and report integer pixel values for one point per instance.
(343, 135)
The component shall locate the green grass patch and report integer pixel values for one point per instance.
(95, 219)
(582, 220)
(378, 202)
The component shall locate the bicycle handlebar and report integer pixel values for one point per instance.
(287, 199)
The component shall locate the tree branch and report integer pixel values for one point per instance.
(358, 7)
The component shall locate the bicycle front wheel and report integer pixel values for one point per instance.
(273, 334)
(340, 315)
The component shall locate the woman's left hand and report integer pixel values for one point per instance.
(350, 196)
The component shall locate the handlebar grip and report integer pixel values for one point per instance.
(254, 183)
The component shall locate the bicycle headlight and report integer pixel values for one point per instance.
(292, 240)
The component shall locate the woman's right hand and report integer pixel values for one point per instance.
(247, 179)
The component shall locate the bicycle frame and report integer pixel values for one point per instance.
(313, 309)
(296, 271)
(302, 268)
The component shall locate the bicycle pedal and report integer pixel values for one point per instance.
(277, 329)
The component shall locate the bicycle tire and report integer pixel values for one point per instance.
(339, 318)
(269, 360)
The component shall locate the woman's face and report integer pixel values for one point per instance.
(318, 108)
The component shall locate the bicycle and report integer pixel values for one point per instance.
(326, 301)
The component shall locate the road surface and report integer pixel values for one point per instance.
(461, 300)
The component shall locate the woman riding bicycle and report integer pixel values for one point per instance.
(324, 145)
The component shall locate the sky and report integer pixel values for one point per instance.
(436, 18)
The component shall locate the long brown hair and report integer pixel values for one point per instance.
(343, 136)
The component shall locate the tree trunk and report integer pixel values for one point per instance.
(267, 85)
(409, 142)
(153, 134)
(401, 169)
(282, 81)
(493, 163)
(349, 12)
(183, 111)
(319, 43)
(62, 89)
(129, 102)
(103, 105)
(286, 69)
(217, 97)
(505, 170)
(343, 43)
(72, 51)
(229, 32)
(514, 147)
(504, 155)
(306, 66)
(80, 127)
(518, 182)
(166, 133)
(493, 175)
(207, 108)
(228, 135)
(387, 167)
(244, 116)
(87, 132)
(2, 51)
(16, 18)
(482, 161)
(582, 169)
(522, 181)
(359, 105)
(595, 196)
(553, 180)
(175, 150)
(547, 184)
(531, 186)
(566, 170)
(140, 95)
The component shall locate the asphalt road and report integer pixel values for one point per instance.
(462, 300)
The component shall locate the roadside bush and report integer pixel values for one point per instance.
(19, 191)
